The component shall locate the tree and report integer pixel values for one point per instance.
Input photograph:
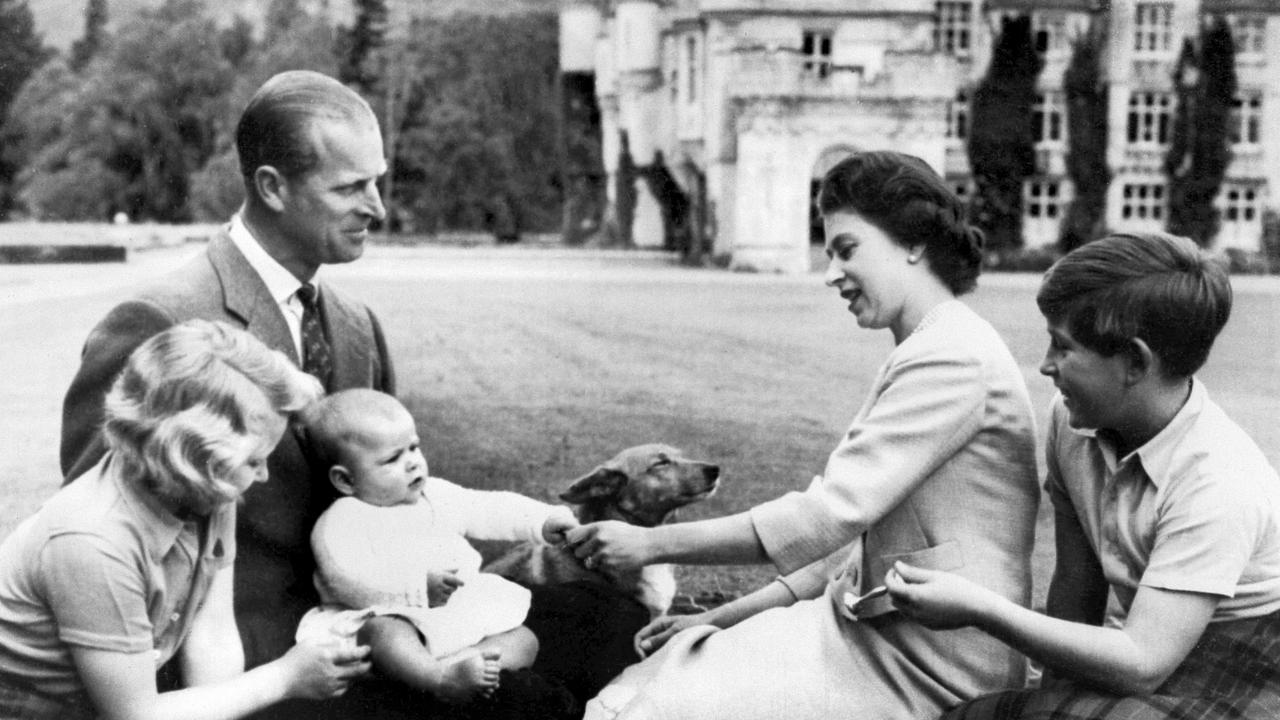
(624, 183)
(236, 41)
(22, 52)
(1001, 142)
(133, 126)
(673, 204)
(1200, 149)
(95, 29)
(1086, 158)
(294, 38)
(583, 169)
(478, 144)
(361, 43)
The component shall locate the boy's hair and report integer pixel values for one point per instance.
(335, 422)
(1154, 286)
(179, 417)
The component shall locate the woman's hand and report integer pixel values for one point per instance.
(656, 634)
(938, 600)
(440, 586)
(319, 669)
(611, 546)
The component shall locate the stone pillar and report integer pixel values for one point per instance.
(771, 213)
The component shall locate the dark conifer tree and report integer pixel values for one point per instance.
(583, 167)
(95, 29)
(624, 203)
(1001, 140)
(360, 44)
(1200, 149)
(21, 53)
(1086, 158)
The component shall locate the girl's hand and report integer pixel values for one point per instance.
(319, 669)
(656, 634)
(610, 546)
(938, 600)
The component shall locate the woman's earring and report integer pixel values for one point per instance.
(913, 259)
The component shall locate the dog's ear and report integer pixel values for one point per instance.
(602, 482)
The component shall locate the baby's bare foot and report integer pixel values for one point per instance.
(469, 677)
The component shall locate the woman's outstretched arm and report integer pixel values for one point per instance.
(656, 634)
(615, 546)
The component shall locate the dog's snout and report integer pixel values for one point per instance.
(712, 472)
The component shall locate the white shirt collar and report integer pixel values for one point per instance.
(280, 282)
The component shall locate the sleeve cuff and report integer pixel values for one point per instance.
(775, 524)
(1180, 583)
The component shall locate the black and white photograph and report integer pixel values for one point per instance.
(639, 359)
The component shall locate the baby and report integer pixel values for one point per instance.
(392, 556)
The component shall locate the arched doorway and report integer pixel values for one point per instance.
(827, 159)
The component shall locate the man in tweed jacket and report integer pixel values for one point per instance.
(310, 154)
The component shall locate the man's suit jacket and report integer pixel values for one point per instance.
(273, 569)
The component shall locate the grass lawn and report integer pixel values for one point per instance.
(528, 366)
(525, 371)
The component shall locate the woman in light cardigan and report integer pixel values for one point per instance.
(937, 468)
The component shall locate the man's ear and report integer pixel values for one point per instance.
(272, 188)
(1142, 361)
(342, 480)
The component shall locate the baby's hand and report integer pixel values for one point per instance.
(557, 524)
(440, 586)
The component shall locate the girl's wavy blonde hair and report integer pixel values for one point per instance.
(180, 417)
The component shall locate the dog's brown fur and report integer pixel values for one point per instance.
(642, 485)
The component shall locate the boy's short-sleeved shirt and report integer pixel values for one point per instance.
(102, 566)
(1195, 509)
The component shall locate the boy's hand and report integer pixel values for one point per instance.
(557, 525)
(440, 586)
(938, 600)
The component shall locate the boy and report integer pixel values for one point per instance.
(1160, 499)
(392, 554)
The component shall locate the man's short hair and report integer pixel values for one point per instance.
(1157, 287)
(274, 128)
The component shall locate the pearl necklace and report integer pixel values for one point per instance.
(932, 316)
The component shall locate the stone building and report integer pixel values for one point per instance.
(745, 103)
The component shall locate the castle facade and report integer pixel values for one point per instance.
(746, 103)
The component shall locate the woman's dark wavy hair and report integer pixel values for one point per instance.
(1154, 286)
(904, 197)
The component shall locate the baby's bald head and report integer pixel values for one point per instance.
(348, 420)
